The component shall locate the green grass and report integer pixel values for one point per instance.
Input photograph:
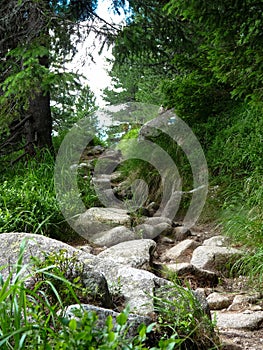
(181, 316)
(235, 159)
(27, 197)
(233, 146)
(28, 200)
(243, 225)
(251, 265)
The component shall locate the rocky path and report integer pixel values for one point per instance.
(235, 305)
(200, 257)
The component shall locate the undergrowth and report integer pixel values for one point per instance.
(143, 163)
(181, 316)
(238, 171)
(30, 319)
(28, 200)
(233, 146)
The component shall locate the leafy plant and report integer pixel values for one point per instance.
(63, 267)
(181, 317)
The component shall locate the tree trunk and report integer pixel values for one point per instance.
(38, 129)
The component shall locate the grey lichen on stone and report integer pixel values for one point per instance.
(36, 247)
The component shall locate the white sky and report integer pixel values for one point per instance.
(96, 74)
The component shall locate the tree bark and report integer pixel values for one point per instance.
(38, 129)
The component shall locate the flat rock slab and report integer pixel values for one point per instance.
(113, 236)
(218, 301)
(213, 257)
(179, 250)
(245, 301)
(36, 246)
(152, 231)
(239, 320)
(155, 220)
(242, 339)
(137, 286)
(181, 233)
(97, 219)
(136, 253)
(217, 241)
(203, 278)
